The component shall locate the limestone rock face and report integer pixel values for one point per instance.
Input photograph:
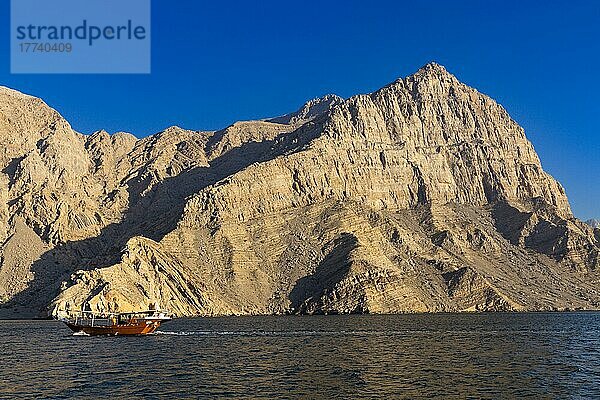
(423, 196)
(144, 272)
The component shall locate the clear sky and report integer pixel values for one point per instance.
(216, 63)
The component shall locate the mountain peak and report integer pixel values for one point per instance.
(433, 66)
(432, 69)
(310, 110)
(429, 72)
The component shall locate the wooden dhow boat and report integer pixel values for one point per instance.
(127, 323)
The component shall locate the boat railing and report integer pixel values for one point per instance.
(90, 318)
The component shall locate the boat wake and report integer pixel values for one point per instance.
(278, 333)
(80, 333)
(304, 333)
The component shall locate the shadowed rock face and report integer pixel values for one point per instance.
(422, 196)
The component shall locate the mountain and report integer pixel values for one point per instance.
(423, 196)
(594, 223)
(310, 110)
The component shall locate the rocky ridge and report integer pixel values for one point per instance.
(422, 196)
(594, 223)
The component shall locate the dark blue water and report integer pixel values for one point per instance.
(554, 356)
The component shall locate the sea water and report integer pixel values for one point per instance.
(504, 355)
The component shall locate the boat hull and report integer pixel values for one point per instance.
(144, 327)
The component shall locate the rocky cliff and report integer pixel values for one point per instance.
(422, 196)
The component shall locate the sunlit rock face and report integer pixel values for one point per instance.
(423, 196)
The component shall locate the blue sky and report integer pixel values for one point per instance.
(213, 64)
